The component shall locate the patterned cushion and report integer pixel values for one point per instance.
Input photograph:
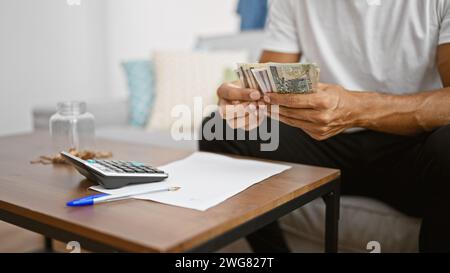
(141, 87)
(182, 76)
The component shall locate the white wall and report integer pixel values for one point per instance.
(50, 51)
(137, 27)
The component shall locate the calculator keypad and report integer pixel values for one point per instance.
(119, 166)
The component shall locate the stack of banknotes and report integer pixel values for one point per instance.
(279, 77)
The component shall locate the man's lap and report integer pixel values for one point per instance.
(388, 167)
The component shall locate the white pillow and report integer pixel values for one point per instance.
(181, 76)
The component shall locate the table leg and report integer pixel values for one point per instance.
(332, 219)
(48, 245)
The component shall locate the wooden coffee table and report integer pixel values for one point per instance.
(34, 197)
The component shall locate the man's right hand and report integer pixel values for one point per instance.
(241, 107)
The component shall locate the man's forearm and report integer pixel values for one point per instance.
(402, 114)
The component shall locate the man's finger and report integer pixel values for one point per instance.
(293, 100)
(311, 115)
(298, 123)
(231, 93)
(294, 113)
(230, 111)
(248, 122)
(302, 124)
(239, 123)
(315, 131)
(308, 127)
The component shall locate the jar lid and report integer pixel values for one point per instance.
(71, 107)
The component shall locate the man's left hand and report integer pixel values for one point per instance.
(323, 114)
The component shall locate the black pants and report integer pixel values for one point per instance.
(412, 174)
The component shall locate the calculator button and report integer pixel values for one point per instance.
(119, 166)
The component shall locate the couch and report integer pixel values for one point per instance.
(362, 220)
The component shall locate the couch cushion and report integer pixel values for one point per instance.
(100, 109)
(141, 90)
(139, 135)
(361, 220)
(186, 84)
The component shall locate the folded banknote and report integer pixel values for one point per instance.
(279, 77)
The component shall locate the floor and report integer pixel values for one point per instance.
(18, 240)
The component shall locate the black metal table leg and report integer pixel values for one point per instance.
(332, 201)
(48, 245)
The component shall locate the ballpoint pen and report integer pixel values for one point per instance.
(103, 198)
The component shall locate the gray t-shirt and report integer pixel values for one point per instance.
(364, 45)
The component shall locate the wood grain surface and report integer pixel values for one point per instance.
(39, 193)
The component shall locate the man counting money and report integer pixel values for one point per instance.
(380, 114)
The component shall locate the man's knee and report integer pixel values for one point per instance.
(436, 163)
(437, 147)
(434, 231)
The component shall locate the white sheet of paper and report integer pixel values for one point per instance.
(206, 179)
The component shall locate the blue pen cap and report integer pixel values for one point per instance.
(85, 201)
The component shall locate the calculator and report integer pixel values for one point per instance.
(113, 174)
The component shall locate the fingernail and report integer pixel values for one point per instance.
(266, 99)
(255, 95)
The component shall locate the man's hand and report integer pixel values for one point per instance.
(240, 107)
(323, 114)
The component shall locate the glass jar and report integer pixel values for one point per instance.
(72, 127)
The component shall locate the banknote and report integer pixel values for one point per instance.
(262, 79)
(293, 78)
(250, 80)
(279, 77)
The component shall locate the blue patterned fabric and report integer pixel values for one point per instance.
(253, 14)
(141, 87)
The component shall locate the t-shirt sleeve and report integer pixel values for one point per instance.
(281, 34)
(444, 33)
